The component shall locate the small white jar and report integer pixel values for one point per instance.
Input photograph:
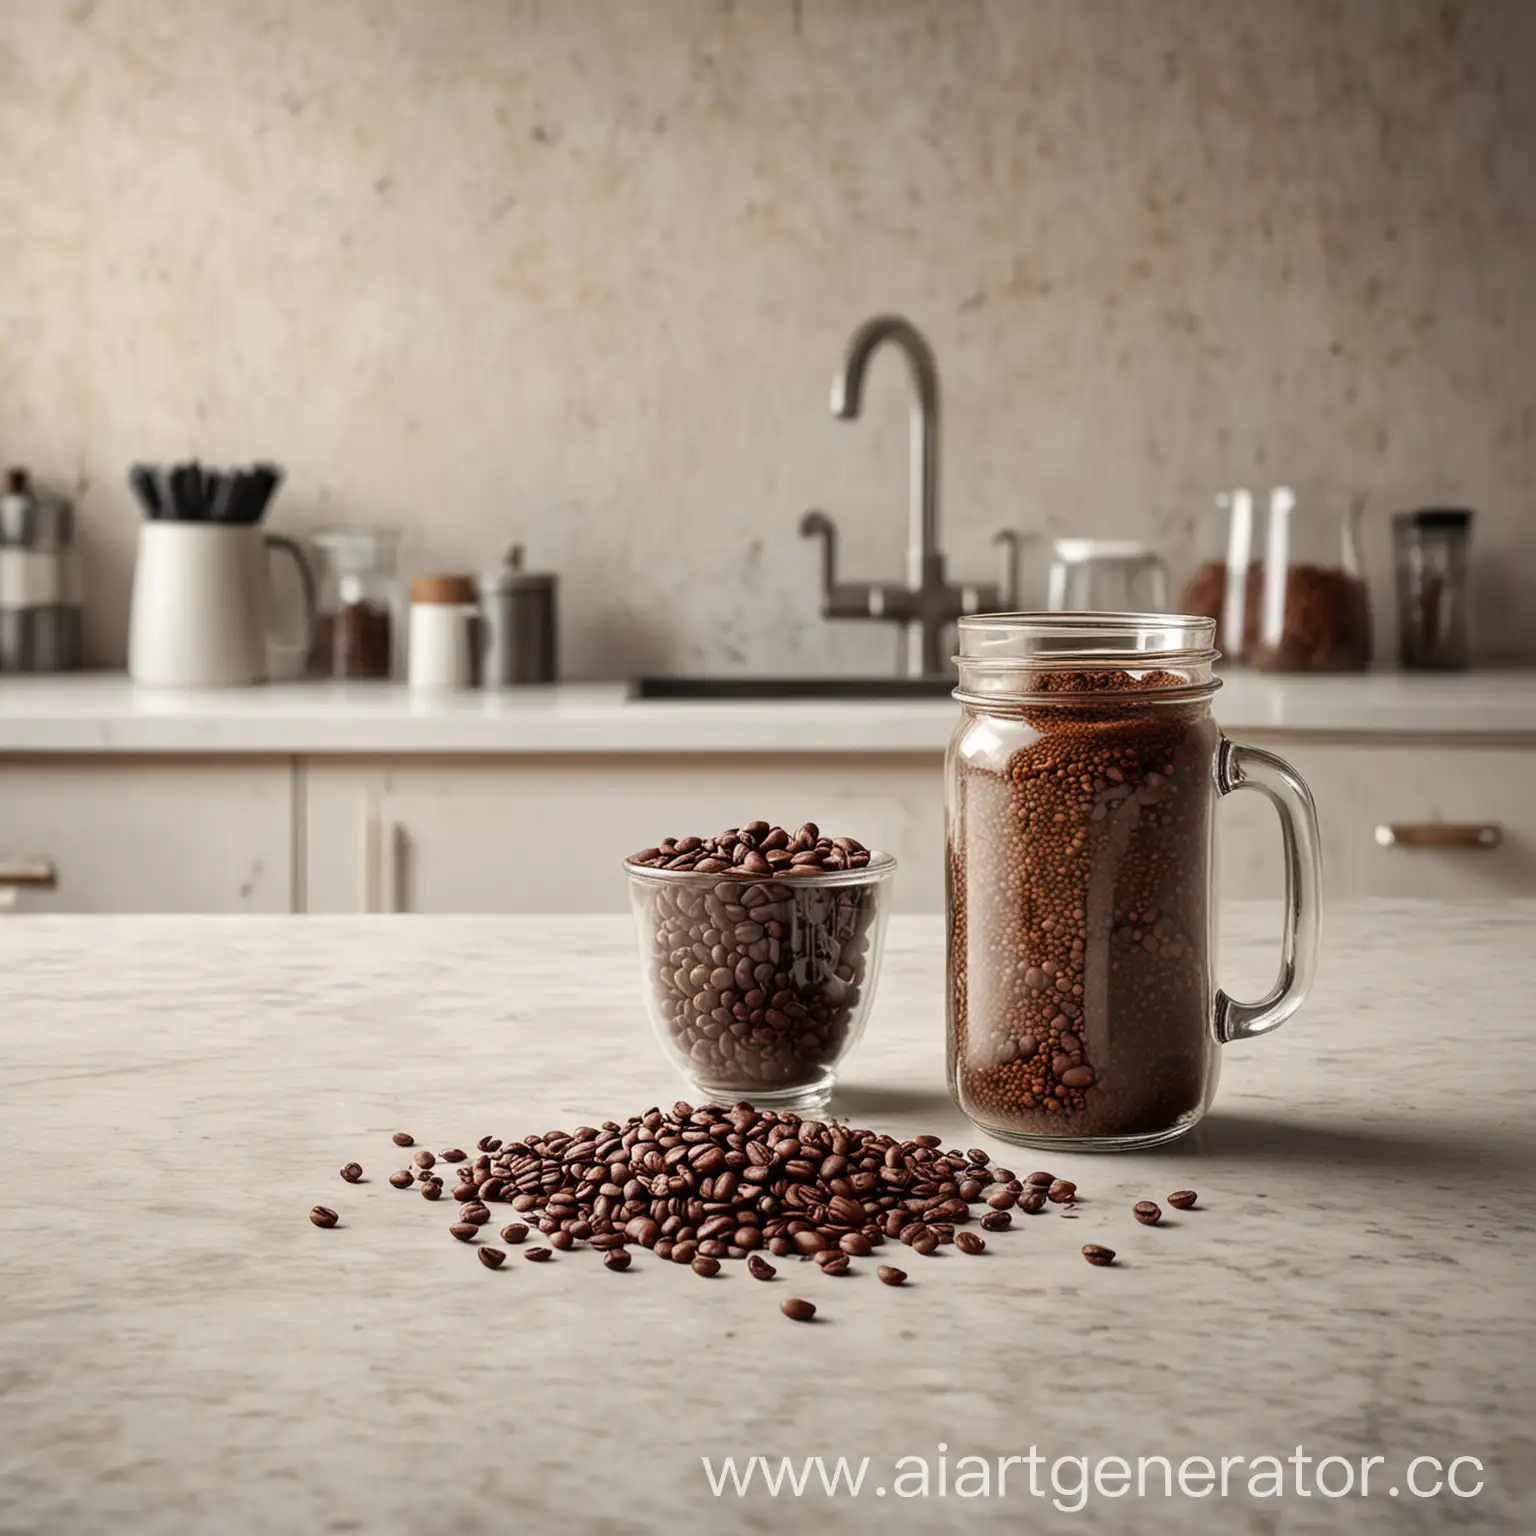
(444, 614)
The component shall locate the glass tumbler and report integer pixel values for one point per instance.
(758, 987)
(1081, 786)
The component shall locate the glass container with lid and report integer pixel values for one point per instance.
(1432, 598)
(1081, 786)
(359, 603)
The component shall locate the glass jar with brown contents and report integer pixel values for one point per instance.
(1081, 786)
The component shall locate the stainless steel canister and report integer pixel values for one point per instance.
(40, 598)
(517, 624)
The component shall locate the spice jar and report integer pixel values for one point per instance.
(358, 600)
(1432, 598)
(444, 617)
(1314, 613)
(1080, 787)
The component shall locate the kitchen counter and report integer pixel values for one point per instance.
(101, 713)
(181, 1351)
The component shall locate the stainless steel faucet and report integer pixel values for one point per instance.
(928, 604)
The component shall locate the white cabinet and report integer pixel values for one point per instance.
(152, 834)
(550, 835)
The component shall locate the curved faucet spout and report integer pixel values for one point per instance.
(925, 565)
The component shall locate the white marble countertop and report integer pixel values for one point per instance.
(182, 1352)
(108, 714)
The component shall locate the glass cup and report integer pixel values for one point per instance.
(758, 987)
(1081, 787)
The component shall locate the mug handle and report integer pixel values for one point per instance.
(1240, 767)
(288, 547)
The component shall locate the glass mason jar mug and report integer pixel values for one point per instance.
(1081, 783)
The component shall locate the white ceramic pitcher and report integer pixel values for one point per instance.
(202, 604)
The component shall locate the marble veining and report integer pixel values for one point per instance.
(181, 1352)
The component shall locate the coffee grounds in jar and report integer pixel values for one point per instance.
(1079, 929)
(353, 641)
(758, 980)
(1326, 625)
(1206, 594)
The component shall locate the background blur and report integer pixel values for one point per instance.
(581, 272)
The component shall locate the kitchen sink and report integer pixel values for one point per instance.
(790, 687)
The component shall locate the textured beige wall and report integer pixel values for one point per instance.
(580, 272)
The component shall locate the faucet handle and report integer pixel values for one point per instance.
(846, 601)
(818, 525)
(1008, 541)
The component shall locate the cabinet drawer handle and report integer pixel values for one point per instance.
(37, 874)
(1439, 834)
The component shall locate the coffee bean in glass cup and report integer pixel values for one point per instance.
(760, 949)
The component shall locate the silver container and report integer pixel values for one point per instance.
(40, 593)
(517, 624)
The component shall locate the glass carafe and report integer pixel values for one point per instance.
(359, 603)
(1081, 786)
(1314, 608)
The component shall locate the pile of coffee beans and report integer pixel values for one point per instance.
(757, 971)
(700, 1187)
(757, 849)
(1079, 931)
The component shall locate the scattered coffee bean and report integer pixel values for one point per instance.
(452, 1155)
(492, 1258)
(890, 1275)
(1041, 1180)
(488, 1144)
(702, 1186)
(1062, 1192)
(352, 1172)
(1032, 1201)
(323, 1216)
(1098, 1255)
(1148, 1212)
(616, 1258)
(798, 1310)
(1182, 1199)
(403, 1139)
